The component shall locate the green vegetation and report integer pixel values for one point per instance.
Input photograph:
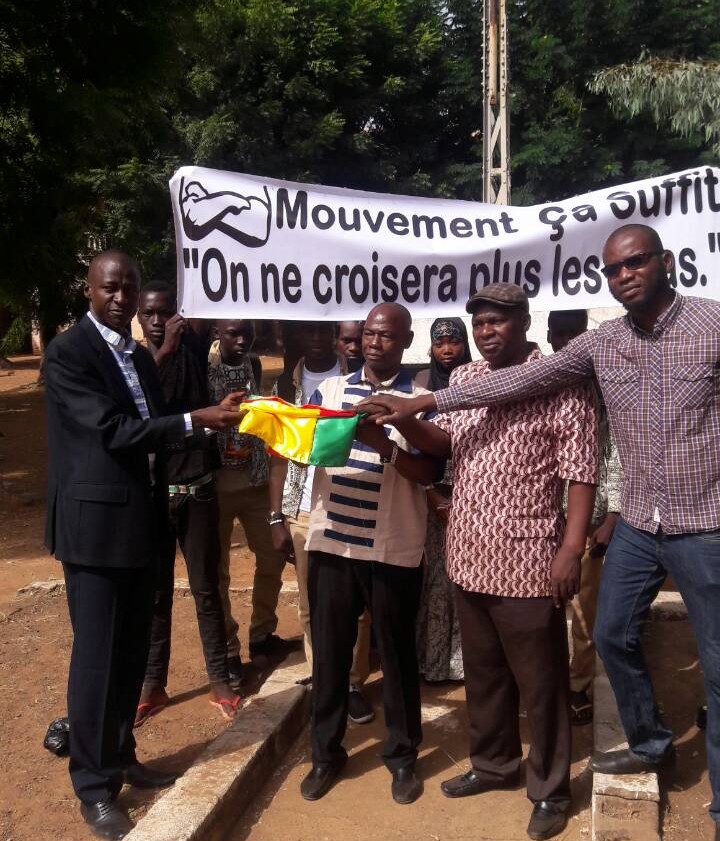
(100, 101)
(682, 94)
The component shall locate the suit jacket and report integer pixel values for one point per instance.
(102, 509)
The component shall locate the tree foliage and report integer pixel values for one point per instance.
(565, 138)
(100, 101)
(78, 90)
(360, 93)
(684, 94)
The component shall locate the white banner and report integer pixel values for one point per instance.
(251, 247)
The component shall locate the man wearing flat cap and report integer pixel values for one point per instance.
(513, 560)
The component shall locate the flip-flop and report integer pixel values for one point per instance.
(146, 711)
(228, 708)
(581, 714)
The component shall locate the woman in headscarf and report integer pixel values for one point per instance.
(438, 632)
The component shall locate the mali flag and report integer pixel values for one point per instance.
(307, 434)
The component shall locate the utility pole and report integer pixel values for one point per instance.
(496, 128)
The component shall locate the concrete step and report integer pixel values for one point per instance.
(625, 807)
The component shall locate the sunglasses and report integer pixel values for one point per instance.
(635, 261)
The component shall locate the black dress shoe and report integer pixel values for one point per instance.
(274, 646)
(318, 781)
(406, 788)
(141, 776)
(468, 784)
(547, 819)
(106, 820)
(626, 762)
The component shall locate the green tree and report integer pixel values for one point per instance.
(565, 138)
(364, 93)
(83, 87)
(682, 94)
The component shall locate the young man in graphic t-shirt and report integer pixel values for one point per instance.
(242, 493)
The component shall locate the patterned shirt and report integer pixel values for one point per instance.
(509, 462)
(238, 451)
(661, 392)
(367, 510)
(607, 493)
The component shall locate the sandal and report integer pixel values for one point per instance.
(228, 707)
(146, 711)
(581, 708)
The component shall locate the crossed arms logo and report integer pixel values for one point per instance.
(246, 219)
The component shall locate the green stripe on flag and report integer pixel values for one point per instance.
(332, 441)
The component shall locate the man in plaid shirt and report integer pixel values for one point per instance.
(658, 371)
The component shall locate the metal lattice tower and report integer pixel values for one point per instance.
(496, 128)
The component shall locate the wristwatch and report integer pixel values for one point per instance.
(275, 517)
(392, 458)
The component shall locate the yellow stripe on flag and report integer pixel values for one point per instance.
(289, 430)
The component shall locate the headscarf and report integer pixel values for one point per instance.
(455, 328)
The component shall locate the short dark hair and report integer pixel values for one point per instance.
(161, 286)
(638, 228)
(570, 318)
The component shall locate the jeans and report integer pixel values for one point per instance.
(194, 525)
(636, 565)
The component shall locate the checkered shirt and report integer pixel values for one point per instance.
(661, 392)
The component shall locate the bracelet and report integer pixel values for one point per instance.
(276, 521)
(275, 517)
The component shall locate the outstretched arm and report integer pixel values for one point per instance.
(85, 403)
(540, 376)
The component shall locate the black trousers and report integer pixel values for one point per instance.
(194, 525)
(339, 589)
(516, 647)
(110, 612)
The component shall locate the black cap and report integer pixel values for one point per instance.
(500, 294)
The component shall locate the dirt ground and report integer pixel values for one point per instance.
(36, 799)
(360, 804)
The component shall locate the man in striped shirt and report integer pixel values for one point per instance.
(365, 539)
(658, 370)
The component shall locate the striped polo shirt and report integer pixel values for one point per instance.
(367, 510)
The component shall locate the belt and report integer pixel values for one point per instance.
(192, 488)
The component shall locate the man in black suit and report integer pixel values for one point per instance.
(106, 523)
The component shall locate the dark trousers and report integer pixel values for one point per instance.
(517, 647)
(194, 525)
(636, 565)
(110, 612)
(339, 590)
